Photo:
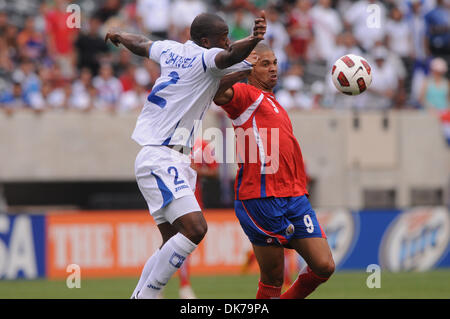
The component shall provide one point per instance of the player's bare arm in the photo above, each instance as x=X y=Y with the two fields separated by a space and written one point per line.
x=225 y=91
x=136 y=43
x=241 y=49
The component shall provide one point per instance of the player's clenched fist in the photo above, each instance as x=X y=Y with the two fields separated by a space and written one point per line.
x=260 y=26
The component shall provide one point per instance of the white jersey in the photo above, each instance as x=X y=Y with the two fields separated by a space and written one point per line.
x=181 y=95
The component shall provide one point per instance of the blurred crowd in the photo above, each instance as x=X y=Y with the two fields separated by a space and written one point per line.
x=44 y=64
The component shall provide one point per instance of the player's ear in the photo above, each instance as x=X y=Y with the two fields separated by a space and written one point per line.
x=253 y=58
x=205 y=42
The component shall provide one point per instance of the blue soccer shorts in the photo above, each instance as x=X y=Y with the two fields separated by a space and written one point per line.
x=276 y=220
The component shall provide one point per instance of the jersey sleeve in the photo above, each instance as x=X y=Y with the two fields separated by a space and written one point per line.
x=239 y=103
x=157 y=48
x=209 y=63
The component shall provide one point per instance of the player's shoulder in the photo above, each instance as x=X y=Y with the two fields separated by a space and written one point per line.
x=247 y=89
x=244 y=95
x=159 y=47
x=192 y=46
x=168 y=43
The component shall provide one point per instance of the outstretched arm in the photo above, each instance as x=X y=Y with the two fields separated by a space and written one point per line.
x=241 y=49
x=225 y=91
x=136 y=43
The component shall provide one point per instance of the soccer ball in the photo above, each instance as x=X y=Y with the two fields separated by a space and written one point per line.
x=351 y=74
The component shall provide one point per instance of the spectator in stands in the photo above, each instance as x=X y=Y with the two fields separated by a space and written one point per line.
x=60 y=98
x=154 y=17
x=80 y=86
x=183 y=12
x=31 y=44
x=6 y=64
x=91 y=47
x=123 y=62
x=108 y=86
x=28 y=78
x=380 y=93
x=46 y=74
x=277 y=37
x=94 y=101
x=61 y=38
x=109 y=9
x=367 y=26
x=416 y=23
x=291 y=95
x=134 y=99
x=81 y=99
x=318 y=95
x=435 y=93
x=397 y=65
x=295 y=68
x=11 y=100
x=43 y=99
x=345 y=44
x=69 y=99
x=10 y=35
x=399 y=37
x=3 y=23
x=234 y=5
x=438 y=29
x=300 y=30
x=326 y=25
x=399 y=41
x=40 y=23
x=56 y=76
x=130 y=16
x=127 y=78
x=239 y=27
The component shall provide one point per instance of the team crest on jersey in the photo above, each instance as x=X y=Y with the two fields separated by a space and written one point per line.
x=269 y=240
x=290 y=230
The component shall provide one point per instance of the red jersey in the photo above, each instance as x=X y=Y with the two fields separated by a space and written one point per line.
x=277 y=169
x=202 y=156
x=62 y=35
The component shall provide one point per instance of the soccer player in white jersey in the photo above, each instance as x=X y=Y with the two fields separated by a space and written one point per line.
x=190 y=76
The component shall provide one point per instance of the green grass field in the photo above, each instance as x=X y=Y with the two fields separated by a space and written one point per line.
x=433 y=284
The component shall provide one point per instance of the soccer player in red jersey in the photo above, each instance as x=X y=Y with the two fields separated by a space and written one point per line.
x=271 y=199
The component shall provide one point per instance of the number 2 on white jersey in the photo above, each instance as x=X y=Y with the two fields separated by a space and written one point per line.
x=153 y=98
x=176 y=181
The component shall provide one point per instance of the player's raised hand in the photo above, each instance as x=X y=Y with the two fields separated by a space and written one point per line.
x=260 y=26
x=113 y=36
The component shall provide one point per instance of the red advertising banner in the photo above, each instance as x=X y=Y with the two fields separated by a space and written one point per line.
x=112 y=243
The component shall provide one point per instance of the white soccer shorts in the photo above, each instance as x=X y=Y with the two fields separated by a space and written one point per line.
x=167 y=182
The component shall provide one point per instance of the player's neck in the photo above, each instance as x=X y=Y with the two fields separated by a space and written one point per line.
x=259 y=85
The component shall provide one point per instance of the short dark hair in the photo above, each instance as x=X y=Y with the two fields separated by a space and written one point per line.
x=262 y=47
x=205 y=25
